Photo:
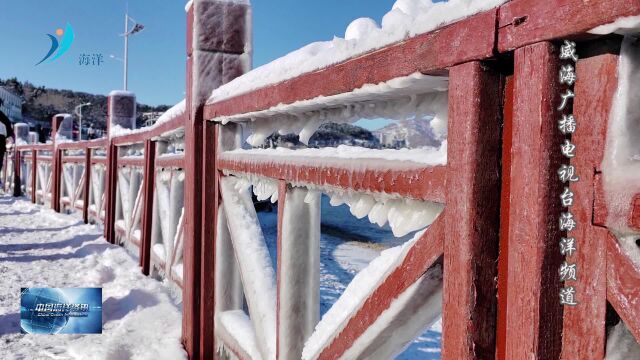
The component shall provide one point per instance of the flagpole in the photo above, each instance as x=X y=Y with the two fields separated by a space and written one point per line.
x=126 y=49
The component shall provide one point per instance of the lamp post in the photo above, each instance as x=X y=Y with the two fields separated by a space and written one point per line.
x=136 y=28
x=79 y=113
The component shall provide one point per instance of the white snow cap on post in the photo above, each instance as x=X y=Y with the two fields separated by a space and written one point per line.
x=122 y=111
x=22 y=133
x=65 y=129
x=33 y=137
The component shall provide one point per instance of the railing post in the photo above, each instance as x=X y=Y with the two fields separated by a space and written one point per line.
x=534 y=314
x=34 y=174
x=472 y=212
x=298 y=280
x=584 y=334
x=22 y=137
x=17 y=188
x=56 y=166
x=218 y=45
x=147 y=207
x=121 y=112
x=87 y=184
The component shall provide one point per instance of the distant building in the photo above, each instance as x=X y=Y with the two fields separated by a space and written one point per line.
x=12 y=105
x=149 y=118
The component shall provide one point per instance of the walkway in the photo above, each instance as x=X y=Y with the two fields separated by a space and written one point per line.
x=41 y=248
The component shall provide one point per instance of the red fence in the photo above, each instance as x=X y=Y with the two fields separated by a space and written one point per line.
x=494 y=247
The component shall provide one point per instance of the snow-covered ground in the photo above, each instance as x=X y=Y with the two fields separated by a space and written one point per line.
x=41 y=248
x=141 y=319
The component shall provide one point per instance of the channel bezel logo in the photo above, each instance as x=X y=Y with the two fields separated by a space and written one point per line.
x=59 y=47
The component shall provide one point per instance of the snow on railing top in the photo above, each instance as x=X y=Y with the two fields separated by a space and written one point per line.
x=176 y=111
x=623 y=26
x=407 y=18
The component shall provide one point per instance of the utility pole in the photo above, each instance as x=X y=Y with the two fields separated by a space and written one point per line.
x=136 y=28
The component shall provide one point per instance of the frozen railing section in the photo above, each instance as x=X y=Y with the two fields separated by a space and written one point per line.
x=148 y=200
x=404 y=188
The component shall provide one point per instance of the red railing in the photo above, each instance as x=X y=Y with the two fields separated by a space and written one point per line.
x=494 y=247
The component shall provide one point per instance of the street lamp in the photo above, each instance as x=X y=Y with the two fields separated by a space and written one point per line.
x=78 y=112
x=136 y=28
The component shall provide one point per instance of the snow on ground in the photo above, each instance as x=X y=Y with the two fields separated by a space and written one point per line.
x=41 y=248
x=347 y=246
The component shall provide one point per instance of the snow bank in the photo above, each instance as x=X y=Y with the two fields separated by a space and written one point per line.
x=621 y=162
x=623 y=26
x=407 y=18
x=362 y=285
x=252 y=254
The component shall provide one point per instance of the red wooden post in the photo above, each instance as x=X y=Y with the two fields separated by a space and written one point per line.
x=87 y=185
x=534 y=312
x=17 y=186
x=210 y=204
x=149 y=177
x=34 y=175
x=217 y=42
x=503 y=256
x=473 y=215
x=55 y=164
x=584 y=325
x=110 y=192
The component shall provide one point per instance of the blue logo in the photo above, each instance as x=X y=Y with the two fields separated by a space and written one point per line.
x=61 y=311
x=59 y=47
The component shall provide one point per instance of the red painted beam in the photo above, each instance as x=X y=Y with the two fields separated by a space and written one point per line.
x=131 y=162
x=210 y=206
x=423 y=254
x=534 y=317
x=423 y=183
x=147 y=205
x=505 y=201
x=584 y=325
x=34 y=176
x=473 y=222
x=170 y=161
x=73 y=159
x=524 y=22
x=426 y=53
x=623 y=285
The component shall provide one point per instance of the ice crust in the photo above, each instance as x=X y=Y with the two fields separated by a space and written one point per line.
x=407 y=18
x=624 y=26
x=417 y=96
x=354 y=295
x=621 y=162
x=258 y=275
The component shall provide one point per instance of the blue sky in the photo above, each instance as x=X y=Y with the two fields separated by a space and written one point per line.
x=157 y=55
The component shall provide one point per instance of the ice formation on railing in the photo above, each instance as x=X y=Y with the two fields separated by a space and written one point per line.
x=407 y=18
x=258 y=275
x=403 y=215
x=344 y=155
x=621 y=163
x=362 y=285
x=624 y=26
x=417 y=97
x=234 y=328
